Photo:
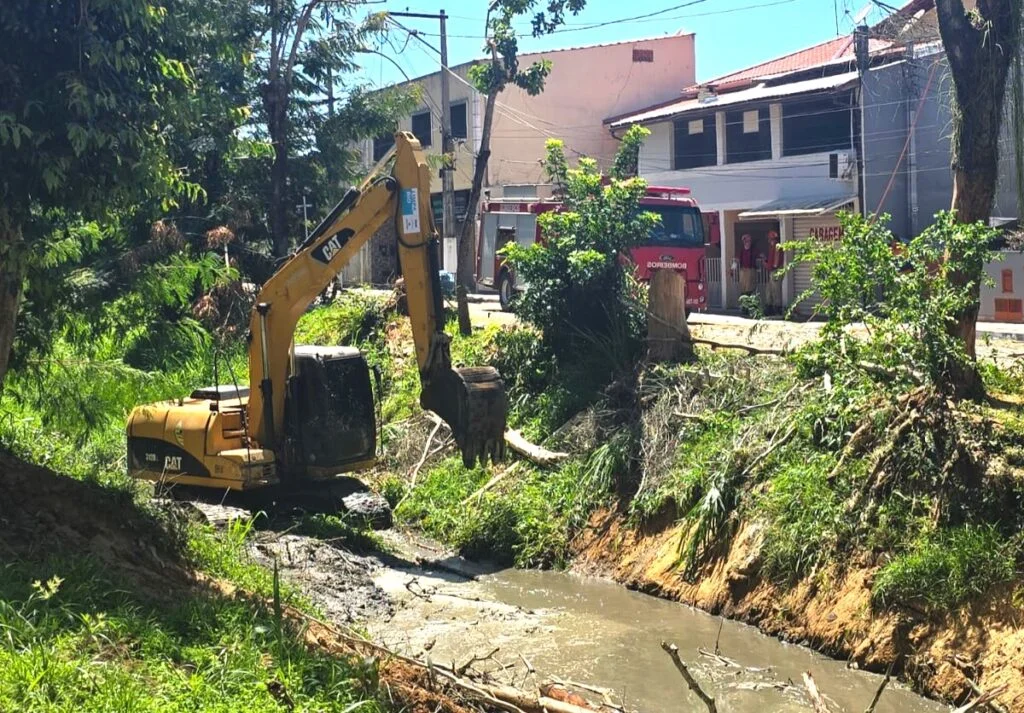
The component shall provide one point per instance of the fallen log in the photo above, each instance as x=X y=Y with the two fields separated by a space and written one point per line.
x=535 y=454
x=532 y=703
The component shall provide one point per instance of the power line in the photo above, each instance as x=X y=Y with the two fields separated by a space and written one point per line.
x=640 y=20
x=635 y=18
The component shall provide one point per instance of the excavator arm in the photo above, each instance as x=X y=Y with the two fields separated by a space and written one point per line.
x=471 y=400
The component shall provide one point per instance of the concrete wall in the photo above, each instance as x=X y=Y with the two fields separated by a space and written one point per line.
x=586 y=85
x=743 y=186
x=430 y=88
x=885 y=117
x=924 y=180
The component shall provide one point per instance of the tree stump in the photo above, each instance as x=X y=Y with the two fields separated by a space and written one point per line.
x=668 y=336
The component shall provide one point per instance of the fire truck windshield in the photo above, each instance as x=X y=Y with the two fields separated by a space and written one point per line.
x=680 y=226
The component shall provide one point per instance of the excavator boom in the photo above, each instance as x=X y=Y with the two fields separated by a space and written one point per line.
x=471 y=401
x=308 y=412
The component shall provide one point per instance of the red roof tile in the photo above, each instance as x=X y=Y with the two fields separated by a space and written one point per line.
x=841 y=48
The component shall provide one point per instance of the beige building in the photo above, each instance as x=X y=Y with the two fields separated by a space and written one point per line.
x=586 y=85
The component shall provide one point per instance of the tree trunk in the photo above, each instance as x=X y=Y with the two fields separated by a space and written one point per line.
x=979 y=55
x=668 y=334
x=12 y=274
x=275 y=100
x=466 y=270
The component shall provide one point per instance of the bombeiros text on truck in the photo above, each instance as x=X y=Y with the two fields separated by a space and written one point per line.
x=678 y=243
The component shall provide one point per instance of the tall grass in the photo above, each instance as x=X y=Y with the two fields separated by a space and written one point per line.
x=946 y=567
x=75 y=639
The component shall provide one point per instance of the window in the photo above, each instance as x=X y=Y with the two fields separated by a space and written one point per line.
x=816 y=125
x=1007 y=281
x=680 y=226
x=643 y=55
x=748 y=135
x=461 y=208
x=695 y=142
x=421 y=128
x=457 y=121
x=381 y=145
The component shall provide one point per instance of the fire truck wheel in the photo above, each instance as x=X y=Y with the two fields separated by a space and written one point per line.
x=506 y=291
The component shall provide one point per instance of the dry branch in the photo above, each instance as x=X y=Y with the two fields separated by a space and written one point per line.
x=812 y=690
x=673 y=651
x=535 y=454
x=426 y=451
x=881 y=687
x=964 y=667
x=495 y=479
x=742 y=347
x=985 y=697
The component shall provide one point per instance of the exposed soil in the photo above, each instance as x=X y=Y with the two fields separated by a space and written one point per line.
x=43 y=515
x=830 y=611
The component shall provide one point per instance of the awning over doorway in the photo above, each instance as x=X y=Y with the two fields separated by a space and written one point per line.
x=797 y=206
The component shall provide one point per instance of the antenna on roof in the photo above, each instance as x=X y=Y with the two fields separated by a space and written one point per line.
x=859 y=18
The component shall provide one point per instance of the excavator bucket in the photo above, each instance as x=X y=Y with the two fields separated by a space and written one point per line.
x=472 y=401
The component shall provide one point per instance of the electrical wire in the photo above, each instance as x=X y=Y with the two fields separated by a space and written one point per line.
x=571 y=27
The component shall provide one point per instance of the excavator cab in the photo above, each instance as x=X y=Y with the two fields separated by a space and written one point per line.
x=330 y=415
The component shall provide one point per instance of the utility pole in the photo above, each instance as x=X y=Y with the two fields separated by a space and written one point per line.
x=448 y=242
x=448 y=148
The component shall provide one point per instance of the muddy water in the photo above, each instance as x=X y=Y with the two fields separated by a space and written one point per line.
x=594 y=631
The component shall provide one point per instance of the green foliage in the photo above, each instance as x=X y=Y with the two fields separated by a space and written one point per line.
x=528 y=522
x=579 y=292
x=627 y=158
x=86 y=96
x=350 y=320
x=494 y=76
x=946 y=568
x=76 y=638
x=901 y=293
x=805 y=517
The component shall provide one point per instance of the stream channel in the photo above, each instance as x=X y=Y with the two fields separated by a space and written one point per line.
x=421 y=601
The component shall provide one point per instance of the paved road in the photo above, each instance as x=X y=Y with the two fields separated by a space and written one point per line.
x=1000 y=341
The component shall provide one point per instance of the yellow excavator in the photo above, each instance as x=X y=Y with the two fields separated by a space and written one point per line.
x=310 y=412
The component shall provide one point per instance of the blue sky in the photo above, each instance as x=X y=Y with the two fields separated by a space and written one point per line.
x=731 y=34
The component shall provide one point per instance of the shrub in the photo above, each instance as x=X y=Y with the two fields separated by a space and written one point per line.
x=948 y=567
x=900 y=292
x=578 y=285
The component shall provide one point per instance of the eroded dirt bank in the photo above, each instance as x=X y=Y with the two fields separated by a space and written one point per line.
x=830 y=611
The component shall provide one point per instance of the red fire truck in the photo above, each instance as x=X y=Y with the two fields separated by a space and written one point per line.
x=677 y=243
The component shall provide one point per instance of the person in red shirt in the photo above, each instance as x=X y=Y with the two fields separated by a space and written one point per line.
x=747 y=264
x=776 y=263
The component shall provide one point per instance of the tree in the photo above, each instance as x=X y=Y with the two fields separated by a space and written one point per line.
x=87 y=97
x=579 y=286
x=312 y=42
x=980 y=45
x=491 y=79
